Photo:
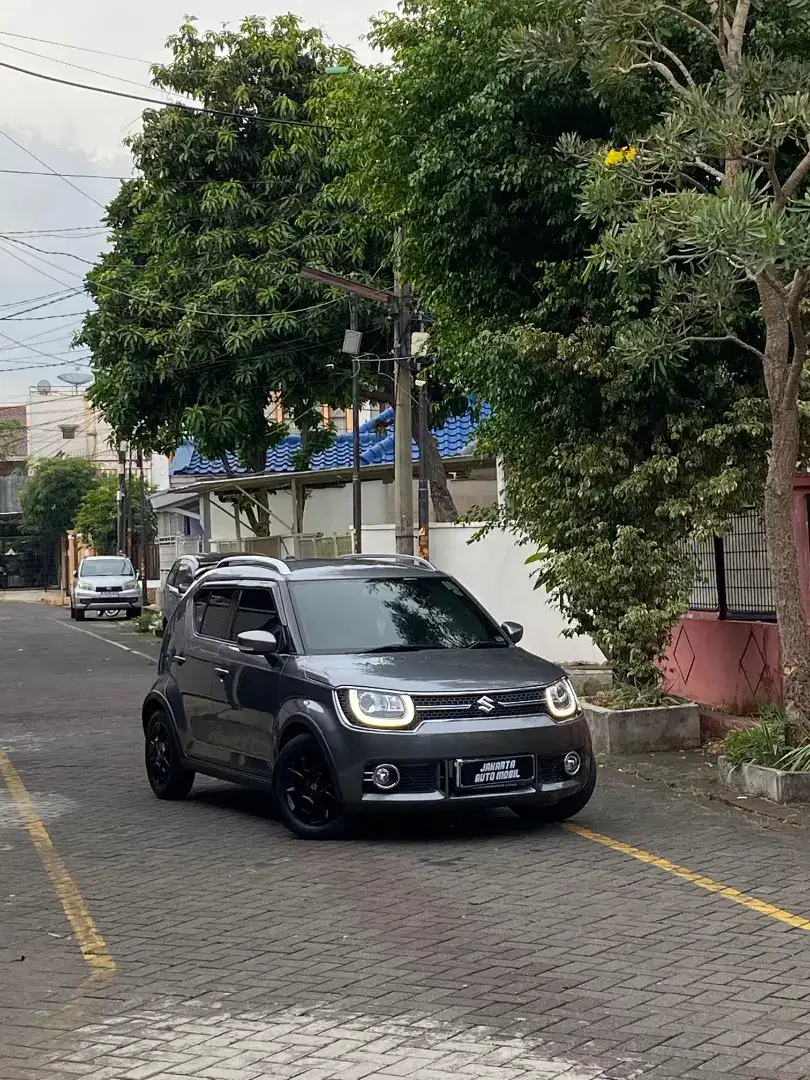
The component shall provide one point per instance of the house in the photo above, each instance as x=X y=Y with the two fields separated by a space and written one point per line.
x=194 y=510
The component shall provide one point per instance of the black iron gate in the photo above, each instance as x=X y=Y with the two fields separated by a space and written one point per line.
x=28 y=562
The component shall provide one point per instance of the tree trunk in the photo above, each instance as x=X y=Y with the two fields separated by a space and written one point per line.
x=443 y=505
x=778 y=505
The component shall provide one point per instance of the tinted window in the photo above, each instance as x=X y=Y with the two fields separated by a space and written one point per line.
x=256 y=611
x=217 y=613
x=172 y=578
x=106 y=567
x=382 y=614
x=200 y=601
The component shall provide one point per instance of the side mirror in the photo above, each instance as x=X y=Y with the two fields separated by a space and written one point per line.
x=183 y=588
x=513 y=630
x=75 y=575
x=257 y=643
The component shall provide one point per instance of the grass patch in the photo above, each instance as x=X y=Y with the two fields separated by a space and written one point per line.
x=622 y=696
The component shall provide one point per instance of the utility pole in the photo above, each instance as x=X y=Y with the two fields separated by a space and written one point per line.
x=121 y=494
x=357 y=479
x=142 y=543
x=403 y=410
x=403 y=418
x=419 y=342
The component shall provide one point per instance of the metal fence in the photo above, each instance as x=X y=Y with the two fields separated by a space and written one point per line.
x=733 y=574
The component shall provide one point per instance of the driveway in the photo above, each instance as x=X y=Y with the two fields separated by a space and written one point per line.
x=661 y=937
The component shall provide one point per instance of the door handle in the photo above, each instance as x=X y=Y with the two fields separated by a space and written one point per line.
x=222 y=672
x=178 y=659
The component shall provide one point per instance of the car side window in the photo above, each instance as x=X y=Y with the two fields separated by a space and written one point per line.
x=184 y=576
x=172 y=578
x=257 y=610
x=217 y=615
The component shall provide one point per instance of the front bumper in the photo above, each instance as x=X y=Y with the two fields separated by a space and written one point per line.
x=426 y=761
x=96 y=602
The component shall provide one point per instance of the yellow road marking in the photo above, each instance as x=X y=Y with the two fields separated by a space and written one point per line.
x=89 y=939
x=753 y=903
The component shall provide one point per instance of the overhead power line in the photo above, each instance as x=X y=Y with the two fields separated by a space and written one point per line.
x=78 y=48
x=33 y=266
x=45 y=165
x=203 y=109
x=81 y=67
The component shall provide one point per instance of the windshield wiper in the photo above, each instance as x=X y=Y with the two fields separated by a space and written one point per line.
x=488 y=645
x=398 y=648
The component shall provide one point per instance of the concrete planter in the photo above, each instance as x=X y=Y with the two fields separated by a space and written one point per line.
x=766 y=783
x=643 y=731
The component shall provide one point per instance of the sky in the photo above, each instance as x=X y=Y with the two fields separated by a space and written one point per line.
x=50 y=231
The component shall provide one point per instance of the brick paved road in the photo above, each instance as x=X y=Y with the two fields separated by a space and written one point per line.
x=421 y=950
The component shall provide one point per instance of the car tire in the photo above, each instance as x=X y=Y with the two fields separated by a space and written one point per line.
x=167 y=777
x=72 y=612
x=79 y=615
x=565 y=808
x=304 y=791
x=133 y=613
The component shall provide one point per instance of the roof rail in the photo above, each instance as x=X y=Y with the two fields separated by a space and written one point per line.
x=255 y=560
x=407 y=560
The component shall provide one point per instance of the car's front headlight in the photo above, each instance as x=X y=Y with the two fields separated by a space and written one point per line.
x=131 y=583
x=379 y=709
x=561 y=700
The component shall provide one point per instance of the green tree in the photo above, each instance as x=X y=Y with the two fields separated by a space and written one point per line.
x=11 y=438
x=54 y=493
x=714 y=201
x=97 y=516
x=611 y=462
x=203 y=318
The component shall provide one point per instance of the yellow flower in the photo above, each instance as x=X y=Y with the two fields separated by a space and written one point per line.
x=619 y=157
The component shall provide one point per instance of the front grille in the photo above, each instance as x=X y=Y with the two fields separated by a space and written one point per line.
x=481 y=705
x=416 y=778
x=109 y=588
x=551 y=771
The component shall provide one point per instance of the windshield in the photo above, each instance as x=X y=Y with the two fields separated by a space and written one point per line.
x=363 y=615
x=113 y=567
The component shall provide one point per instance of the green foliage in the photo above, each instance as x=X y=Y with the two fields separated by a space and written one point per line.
x=202 y=314
x=762 y=745
x=625 y=696
x=97 y=516
x=11 y=435
x=613 y=456
x=54 y=493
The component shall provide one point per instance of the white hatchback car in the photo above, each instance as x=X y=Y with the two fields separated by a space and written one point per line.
x=105 y=583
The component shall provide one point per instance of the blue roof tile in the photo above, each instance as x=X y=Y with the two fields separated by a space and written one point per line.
x=376 y=448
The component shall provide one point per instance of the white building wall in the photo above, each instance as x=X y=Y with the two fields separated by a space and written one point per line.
x=494 y=570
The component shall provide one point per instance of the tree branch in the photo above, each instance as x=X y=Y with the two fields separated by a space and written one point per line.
x=737 y=35
x=653 y=44
x=795 y=178
x=662 y=69
x=773 y=175
x=693 y=21
x=727 y=337
x=799 y=341
x=710 y=169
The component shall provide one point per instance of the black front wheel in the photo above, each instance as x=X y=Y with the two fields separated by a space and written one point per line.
x=306 y=796
x=167 y=777
x=565 y=808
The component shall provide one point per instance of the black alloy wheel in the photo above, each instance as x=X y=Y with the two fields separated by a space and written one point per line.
x=306 y=796
x=167 y=777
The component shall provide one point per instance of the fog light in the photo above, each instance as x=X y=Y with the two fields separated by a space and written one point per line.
x=572 y=763
x=385 y=777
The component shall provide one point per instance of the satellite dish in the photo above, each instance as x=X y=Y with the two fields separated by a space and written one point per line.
x=76 y=379
x=43 y=387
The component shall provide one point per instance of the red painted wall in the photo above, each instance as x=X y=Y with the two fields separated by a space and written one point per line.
x=726 y=663
x=733 y=663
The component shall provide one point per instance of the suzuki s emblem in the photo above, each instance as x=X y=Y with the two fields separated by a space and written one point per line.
x=485 y=704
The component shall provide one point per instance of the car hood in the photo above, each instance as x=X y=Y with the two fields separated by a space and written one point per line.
x=106 y=582
x=435 y=671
